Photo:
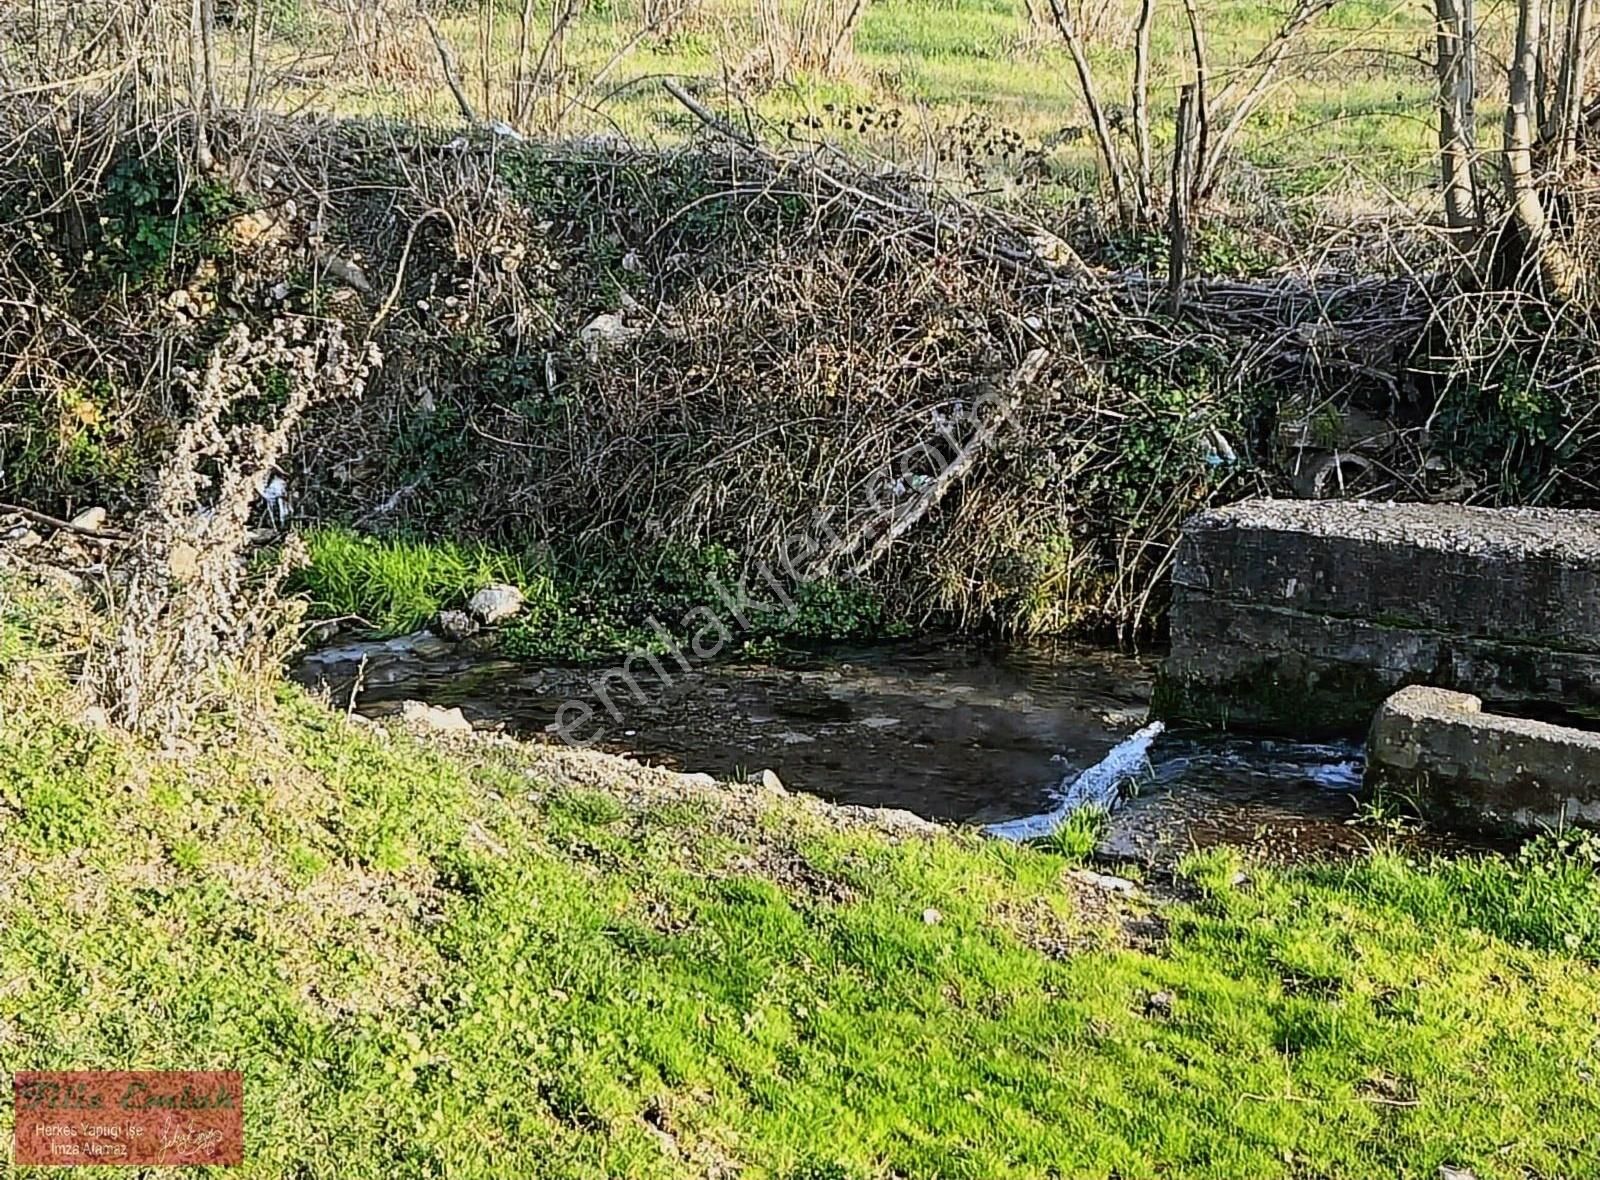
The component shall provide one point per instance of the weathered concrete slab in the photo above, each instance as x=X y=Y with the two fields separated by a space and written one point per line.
x=1302 y=616
x=1482 y=769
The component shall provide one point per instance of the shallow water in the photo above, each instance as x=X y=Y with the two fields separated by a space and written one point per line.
x=951 y=731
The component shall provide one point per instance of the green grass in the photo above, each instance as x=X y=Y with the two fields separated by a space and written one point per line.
x=1354 y=110
x=576 y=610
x=491 y=960
x=397 y=584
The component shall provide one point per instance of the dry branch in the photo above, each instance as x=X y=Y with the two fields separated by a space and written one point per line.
x=1262 y=71
x=447 y=63
x=1141 y=107
x=1091 y=99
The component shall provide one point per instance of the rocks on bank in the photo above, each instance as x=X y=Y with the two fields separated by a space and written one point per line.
x=489 y=607
x=452 y=633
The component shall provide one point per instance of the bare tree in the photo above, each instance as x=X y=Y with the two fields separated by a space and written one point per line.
x=1550 y=259
x=254 y=67
x=1251 y=85
x=1181 y=192
x=1521 y=118
x=1456 y=68
x=1097 y=116
x=447 y=63
x=521 y=79
x=1202 y=72
x=1133 y=187
x=202 y=78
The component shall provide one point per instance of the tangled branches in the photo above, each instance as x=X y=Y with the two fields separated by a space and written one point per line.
x=615 y=354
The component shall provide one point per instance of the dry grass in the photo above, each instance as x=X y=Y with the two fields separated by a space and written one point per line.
x=187 y=609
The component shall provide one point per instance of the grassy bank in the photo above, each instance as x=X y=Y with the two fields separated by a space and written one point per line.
x=582 y=610
x=486 y=959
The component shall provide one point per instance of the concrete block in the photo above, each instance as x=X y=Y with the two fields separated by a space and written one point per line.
x=1483 y=769
x=1523 y=574
x=1302 y=616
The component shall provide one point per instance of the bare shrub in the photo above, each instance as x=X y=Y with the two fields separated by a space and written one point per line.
x=188 y=608
x=806 y=35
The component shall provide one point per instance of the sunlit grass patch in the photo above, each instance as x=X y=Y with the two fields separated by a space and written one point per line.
x=397 y=584
x=493 y=960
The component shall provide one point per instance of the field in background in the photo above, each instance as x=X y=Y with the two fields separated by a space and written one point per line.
x=978 y=91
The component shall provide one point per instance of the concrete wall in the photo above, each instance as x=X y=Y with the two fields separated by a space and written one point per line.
x=1302 y=616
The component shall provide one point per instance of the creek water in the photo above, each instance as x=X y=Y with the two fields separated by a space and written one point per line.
x=949 y=730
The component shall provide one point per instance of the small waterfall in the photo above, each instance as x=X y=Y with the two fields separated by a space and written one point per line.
x=1095 y=787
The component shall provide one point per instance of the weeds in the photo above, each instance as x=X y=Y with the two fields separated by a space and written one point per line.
x=150 y=225
x=1076 y=839
x=184 y=606
x=1388 y=811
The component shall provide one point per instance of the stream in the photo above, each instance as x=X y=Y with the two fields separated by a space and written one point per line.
x=950 y=730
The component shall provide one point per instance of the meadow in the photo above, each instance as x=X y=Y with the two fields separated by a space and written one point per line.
x=959 y=89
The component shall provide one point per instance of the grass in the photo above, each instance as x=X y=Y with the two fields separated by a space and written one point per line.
x=576 y=610
x=1354 y=110
x=397 y=584
x=486 y=959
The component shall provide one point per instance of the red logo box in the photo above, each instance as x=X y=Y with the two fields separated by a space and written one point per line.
x=127 y=1118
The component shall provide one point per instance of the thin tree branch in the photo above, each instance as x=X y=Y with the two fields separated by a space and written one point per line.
x=1091 y=98
x=1141 y=106
x=1202 y=72
x=447 y=62
x=1267 y=61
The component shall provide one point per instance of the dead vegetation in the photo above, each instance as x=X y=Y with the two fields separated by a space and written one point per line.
x=598 y=351
x=188 y=608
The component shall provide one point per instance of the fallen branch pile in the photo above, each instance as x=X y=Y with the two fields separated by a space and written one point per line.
x=614 y=353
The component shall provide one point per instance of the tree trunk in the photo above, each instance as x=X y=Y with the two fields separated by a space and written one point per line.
x=1570 y=83
x=199 y=92
x=1544 y=120
x=1202 y=71
x=1182 y=189
x=253 y=79
x=1141 y=107
x=1458 y=118
x=1556 y=271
